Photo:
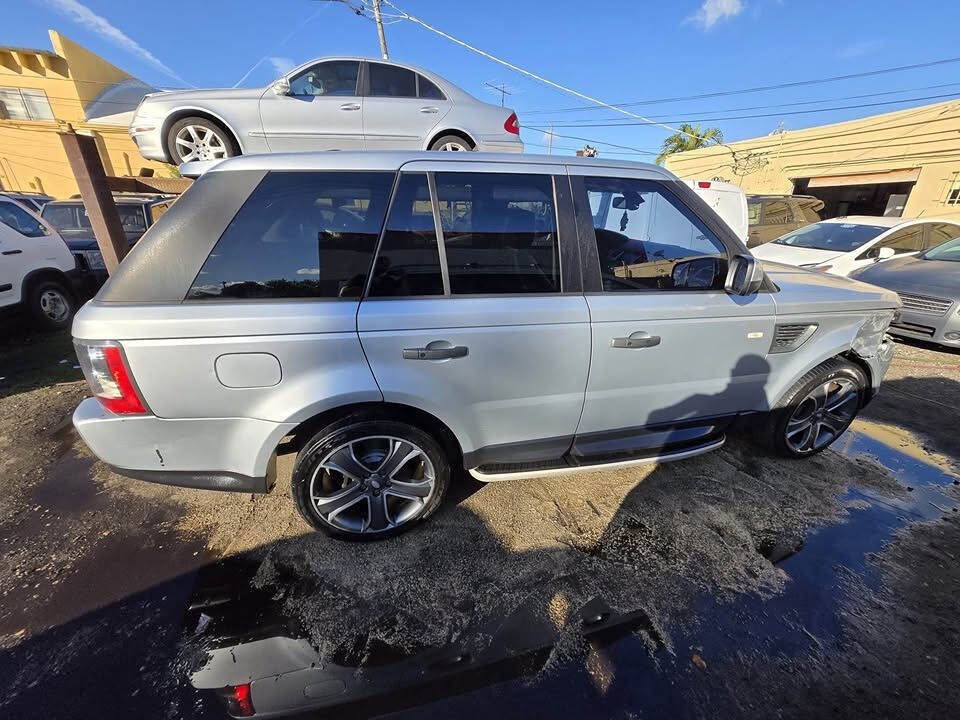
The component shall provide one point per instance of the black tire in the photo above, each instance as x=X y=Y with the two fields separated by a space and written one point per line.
x=791 y=406
x=354 y=428
x=50 y=304
x=451 y=140
x=225 y=138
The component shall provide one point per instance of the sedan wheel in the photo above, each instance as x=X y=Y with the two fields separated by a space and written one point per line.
x=196 y=142
x=54 y=305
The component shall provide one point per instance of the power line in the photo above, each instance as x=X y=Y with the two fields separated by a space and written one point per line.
x=780 y=105
x=764 y=88
x=576 y=124
x=591 y=140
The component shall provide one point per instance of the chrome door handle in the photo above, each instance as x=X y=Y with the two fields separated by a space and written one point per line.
x=429 y=109
x=350 y=106
x=638 y=339
x=458 y=351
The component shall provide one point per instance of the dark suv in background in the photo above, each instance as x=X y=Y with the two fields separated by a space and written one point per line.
x=69 y=217
x=770 y=216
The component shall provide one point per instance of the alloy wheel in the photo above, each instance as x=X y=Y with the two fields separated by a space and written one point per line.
x=196 y=142
x=822 y=415
x=372 y=484
x=453 y=147
x=54 y=305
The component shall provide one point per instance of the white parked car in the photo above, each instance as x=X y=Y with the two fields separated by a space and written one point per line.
x=333 y=103
x=841 y=245
x=37 y=270
x=726 y=200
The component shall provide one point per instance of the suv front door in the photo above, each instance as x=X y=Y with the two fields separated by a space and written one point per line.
x=674 y=356
x=322 y=111
x=474 y=312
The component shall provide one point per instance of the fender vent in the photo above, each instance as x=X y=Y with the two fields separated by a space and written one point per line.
x=787 y=338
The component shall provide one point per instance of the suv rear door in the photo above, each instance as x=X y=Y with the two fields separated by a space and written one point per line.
x=674 y=356
x=474 y=311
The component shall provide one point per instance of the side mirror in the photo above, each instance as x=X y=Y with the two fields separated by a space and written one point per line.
x=281 y=87
x=885 y=253
x=745 y=275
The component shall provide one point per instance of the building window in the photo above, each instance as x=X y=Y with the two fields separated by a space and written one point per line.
x=24 y=104
x=953 y=194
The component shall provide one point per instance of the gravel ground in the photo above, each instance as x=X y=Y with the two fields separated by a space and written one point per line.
x=95 y=569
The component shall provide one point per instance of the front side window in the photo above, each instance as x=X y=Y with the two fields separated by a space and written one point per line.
x=337 y=78
x=21 y=221
x=408 y=262
x=392 y=81
x=949 y=251
x=62 y=217
x=500 y=232
x=647 y=240
x=299 y=234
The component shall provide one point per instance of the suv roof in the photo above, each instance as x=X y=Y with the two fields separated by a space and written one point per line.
x=119 y=199
x=394 y=160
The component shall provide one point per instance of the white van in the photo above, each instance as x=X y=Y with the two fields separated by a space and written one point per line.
x=726 y=200
x=37 y=270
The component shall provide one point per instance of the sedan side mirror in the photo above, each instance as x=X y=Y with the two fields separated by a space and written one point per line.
x=281 y=87
x=885 y=253
x=745 y=276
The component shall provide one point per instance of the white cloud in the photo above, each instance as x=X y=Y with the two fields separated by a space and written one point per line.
x=282 y=65
x=713 y=11
x=859 y=49
x=83 y=15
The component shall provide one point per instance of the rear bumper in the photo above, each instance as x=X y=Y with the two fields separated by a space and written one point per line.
x=212 y=453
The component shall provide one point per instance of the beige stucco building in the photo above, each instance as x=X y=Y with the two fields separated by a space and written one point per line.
x=40 y=92
x=900 y=163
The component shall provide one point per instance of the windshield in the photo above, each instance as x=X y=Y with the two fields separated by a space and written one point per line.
x=74 y=217
x=841 y=237
x=949 y=251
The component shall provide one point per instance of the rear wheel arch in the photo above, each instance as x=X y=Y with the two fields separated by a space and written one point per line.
x=457 y=133
x=43 y=274
x=384 y=411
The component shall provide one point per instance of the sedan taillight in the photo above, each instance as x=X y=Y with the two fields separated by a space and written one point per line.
x=512 y=125
x=109 y=378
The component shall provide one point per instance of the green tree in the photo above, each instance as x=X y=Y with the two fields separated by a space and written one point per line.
x=690 y=137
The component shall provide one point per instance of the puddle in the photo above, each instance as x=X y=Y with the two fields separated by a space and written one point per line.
x=627 y=666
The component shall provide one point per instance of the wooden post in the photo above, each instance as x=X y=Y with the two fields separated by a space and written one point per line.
x=88 y=171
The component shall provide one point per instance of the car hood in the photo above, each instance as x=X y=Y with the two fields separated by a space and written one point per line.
x=912 y=274
x=793 y=255
x=187 y=97
x=806 y=292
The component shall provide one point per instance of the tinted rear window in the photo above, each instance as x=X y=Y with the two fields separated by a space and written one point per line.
x=500 y=232
x=299 y=234
x=390 y=81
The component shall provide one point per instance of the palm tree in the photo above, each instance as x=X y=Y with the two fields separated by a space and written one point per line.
x=690 y=137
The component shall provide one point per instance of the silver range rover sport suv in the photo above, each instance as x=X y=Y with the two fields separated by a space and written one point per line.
x=399 y=316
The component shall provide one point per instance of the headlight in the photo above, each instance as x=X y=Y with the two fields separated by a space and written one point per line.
x=94 y=259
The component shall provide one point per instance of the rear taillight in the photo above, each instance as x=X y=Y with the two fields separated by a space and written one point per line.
x=237 y=699
x=108 y=375
x=703 y=184
x=512 y=125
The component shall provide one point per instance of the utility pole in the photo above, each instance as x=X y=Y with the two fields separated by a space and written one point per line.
x=550 y=141
x=502 y=89
x=88 y=171
x=379 y=21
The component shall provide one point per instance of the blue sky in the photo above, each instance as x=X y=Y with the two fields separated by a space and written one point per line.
x=618 y=50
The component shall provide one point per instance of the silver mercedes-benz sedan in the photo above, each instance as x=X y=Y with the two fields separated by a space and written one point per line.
x=332 y=103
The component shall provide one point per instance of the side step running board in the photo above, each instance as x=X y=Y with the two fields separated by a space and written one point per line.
x=551 y=472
